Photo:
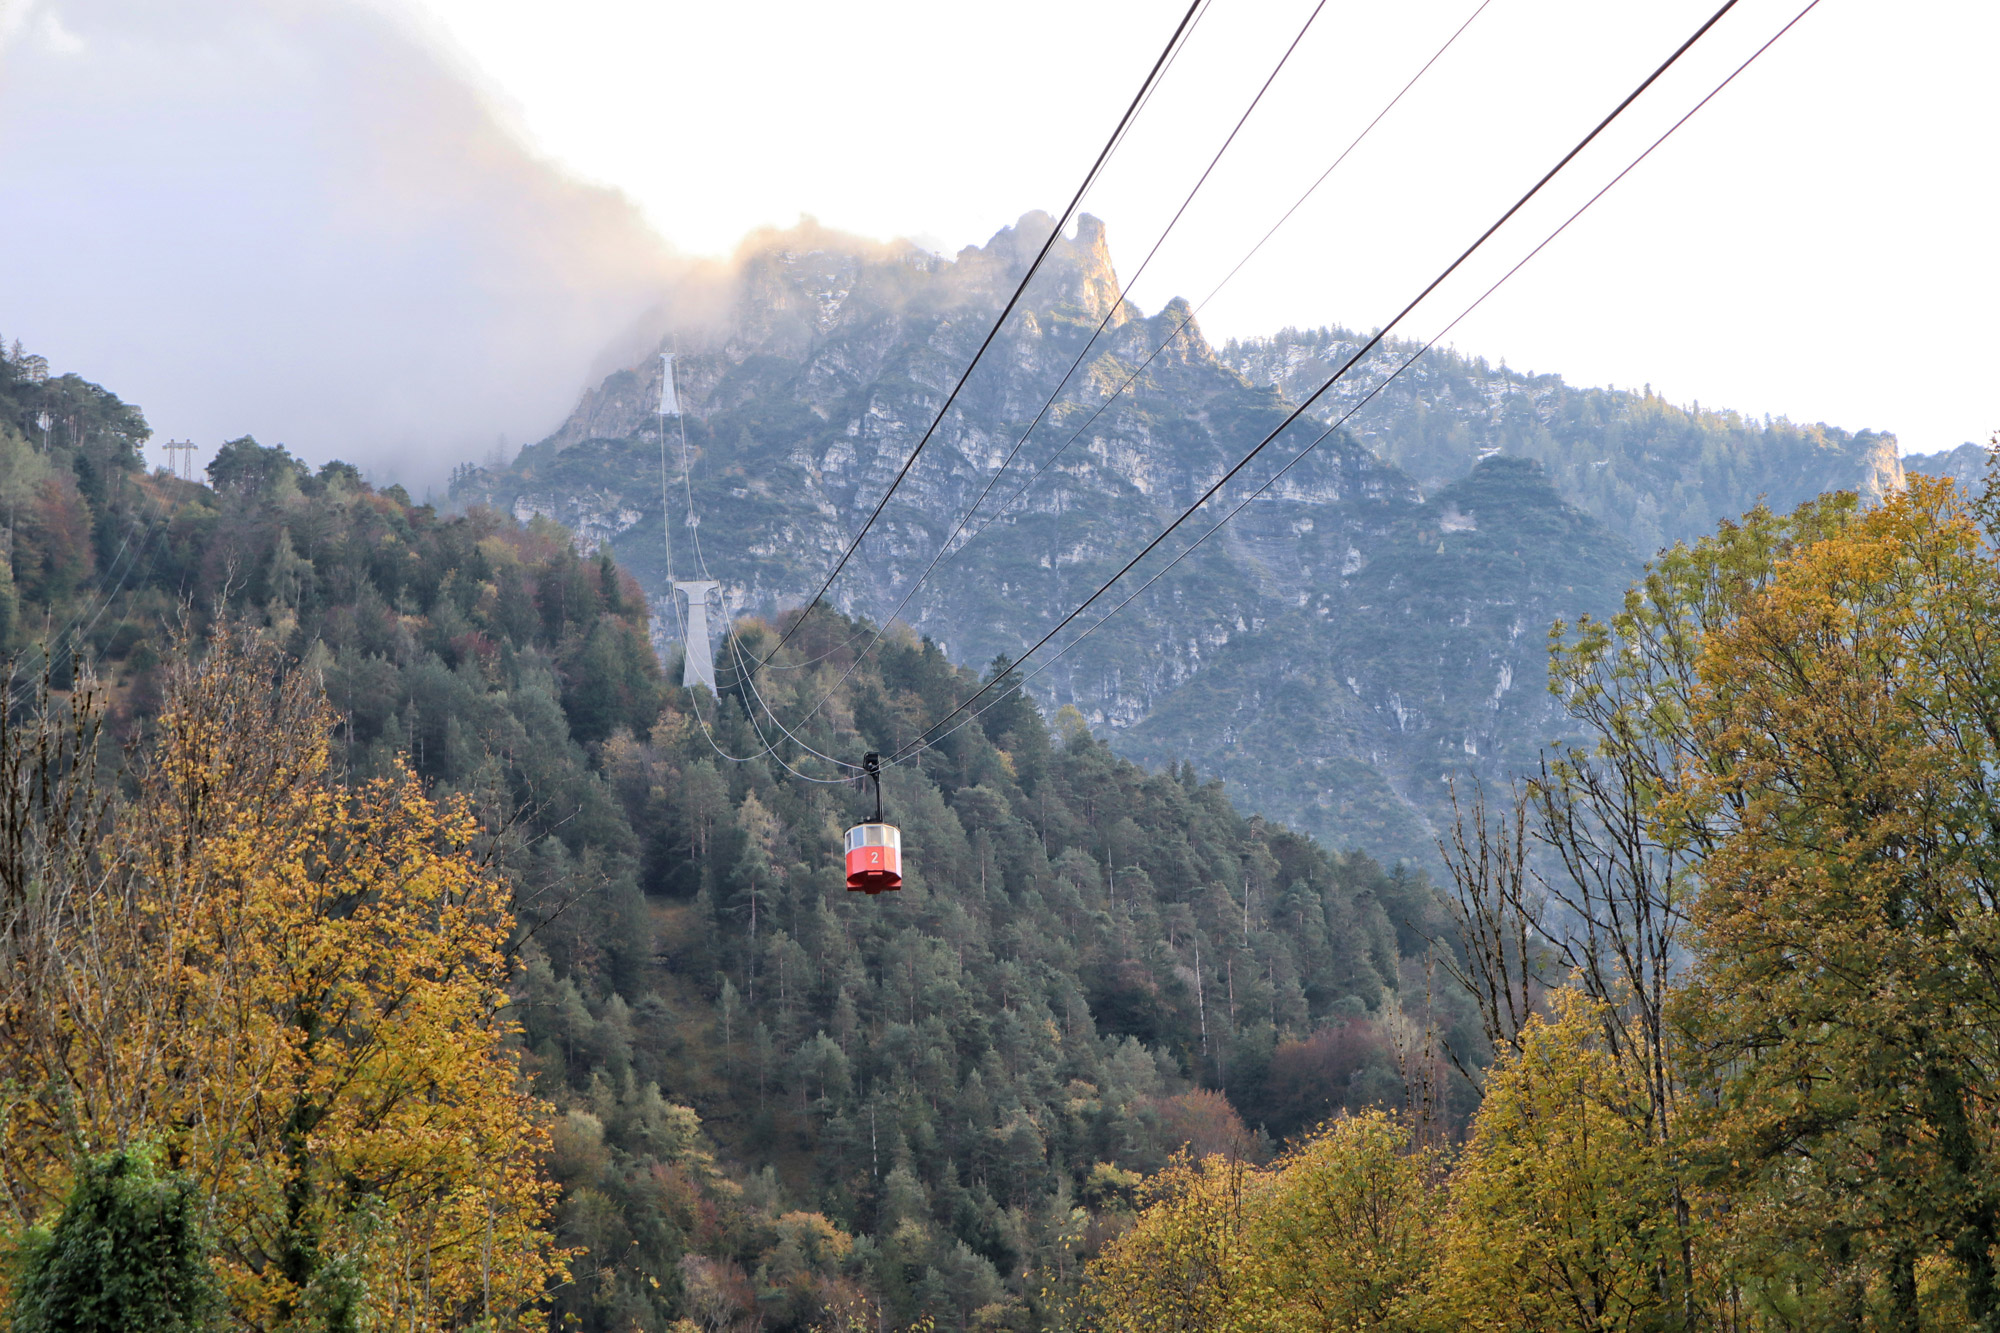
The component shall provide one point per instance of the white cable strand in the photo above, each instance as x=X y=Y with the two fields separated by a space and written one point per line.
x=923 y=745
x=1203 y=304
x=946 y=550
x=673 y=599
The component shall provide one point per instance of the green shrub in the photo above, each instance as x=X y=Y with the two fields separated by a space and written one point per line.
x=129 y=1253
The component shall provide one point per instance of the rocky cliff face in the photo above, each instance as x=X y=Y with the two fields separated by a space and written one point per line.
x=1372 y=627
x=1966 y=465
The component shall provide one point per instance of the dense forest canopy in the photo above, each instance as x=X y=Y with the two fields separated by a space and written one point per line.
x=770 y=1094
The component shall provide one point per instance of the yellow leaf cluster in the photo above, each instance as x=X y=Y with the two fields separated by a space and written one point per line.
x=1847 y=997
x=1187 y=1264
x=295 y=988
x=1342 y=1234
x=1561 y=1213
x=1565 y=1212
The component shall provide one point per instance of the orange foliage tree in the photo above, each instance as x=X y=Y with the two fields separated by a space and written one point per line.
x=294 y=987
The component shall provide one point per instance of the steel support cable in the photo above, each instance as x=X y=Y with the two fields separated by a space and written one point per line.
x=76 y=629
x=745 y=681
x=667 y=538
x=673 y=600
x=1344 y=417
x=1116 y=302
x=667 y=533
x=1055 y=234
x=162 y=521
x=755 y=699
x=1117 y=141
x=770 y=747
x=1348 y=365
x=1216 y=290
x=98 y=597
x=1119 y=136
x=1206 y=5
x=746 y=678
x=76 y=620
x=748 y=683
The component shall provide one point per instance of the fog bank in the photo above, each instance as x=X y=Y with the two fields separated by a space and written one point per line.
x=295 y=219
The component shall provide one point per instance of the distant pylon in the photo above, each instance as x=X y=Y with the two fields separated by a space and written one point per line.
x=180 y=446
x=669 y=404
x=698 y=662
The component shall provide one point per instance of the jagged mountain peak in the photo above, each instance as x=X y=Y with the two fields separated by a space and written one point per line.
x=1078 y=271
x=839 y=304
x=819 y=270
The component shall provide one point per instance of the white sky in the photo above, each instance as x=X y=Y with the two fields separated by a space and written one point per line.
x=1817 y=243
x=399 y=231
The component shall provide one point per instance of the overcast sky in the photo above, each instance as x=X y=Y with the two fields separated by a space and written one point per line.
x=402 y=227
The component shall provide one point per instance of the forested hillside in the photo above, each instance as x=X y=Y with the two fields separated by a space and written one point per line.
x=774 y=1098
x=1118 y=1056
x=1083 y=954
x=78 y=509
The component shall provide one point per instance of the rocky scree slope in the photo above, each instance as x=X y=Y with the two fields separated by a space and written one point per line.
x=1357 y=637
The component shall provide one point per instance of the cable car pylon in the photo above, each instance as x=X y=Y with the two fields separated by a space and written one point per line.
x=698 y=659
x=875 y=847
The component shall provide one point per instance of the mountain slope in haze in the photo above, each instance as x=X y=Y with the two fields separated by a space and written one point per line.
x=1965 y=465
x=1356 y=638
x=1352 y=723
x=1646 y=468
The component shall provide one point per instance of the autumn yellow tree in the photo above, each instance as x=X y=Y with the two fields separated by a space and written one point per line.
x=1801 y=712
x=1587 y=876
x=1341 y=1235
x=1562 y=1213
x=1187 y=1265
x=1847 y=998
x=1345 y=1232
x=295 y=988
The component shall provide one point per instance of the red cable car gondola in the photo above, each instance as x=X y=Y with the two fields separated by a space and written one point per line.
x=874 y=849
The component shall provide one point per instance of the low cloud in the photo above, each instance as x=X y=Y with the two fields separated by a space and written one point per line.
x=296 y=219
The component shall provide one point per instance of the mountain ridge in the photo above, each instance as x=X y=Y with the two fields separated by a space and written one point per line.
x=766 y=1098
x=804 y=398
x=1448 y=410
